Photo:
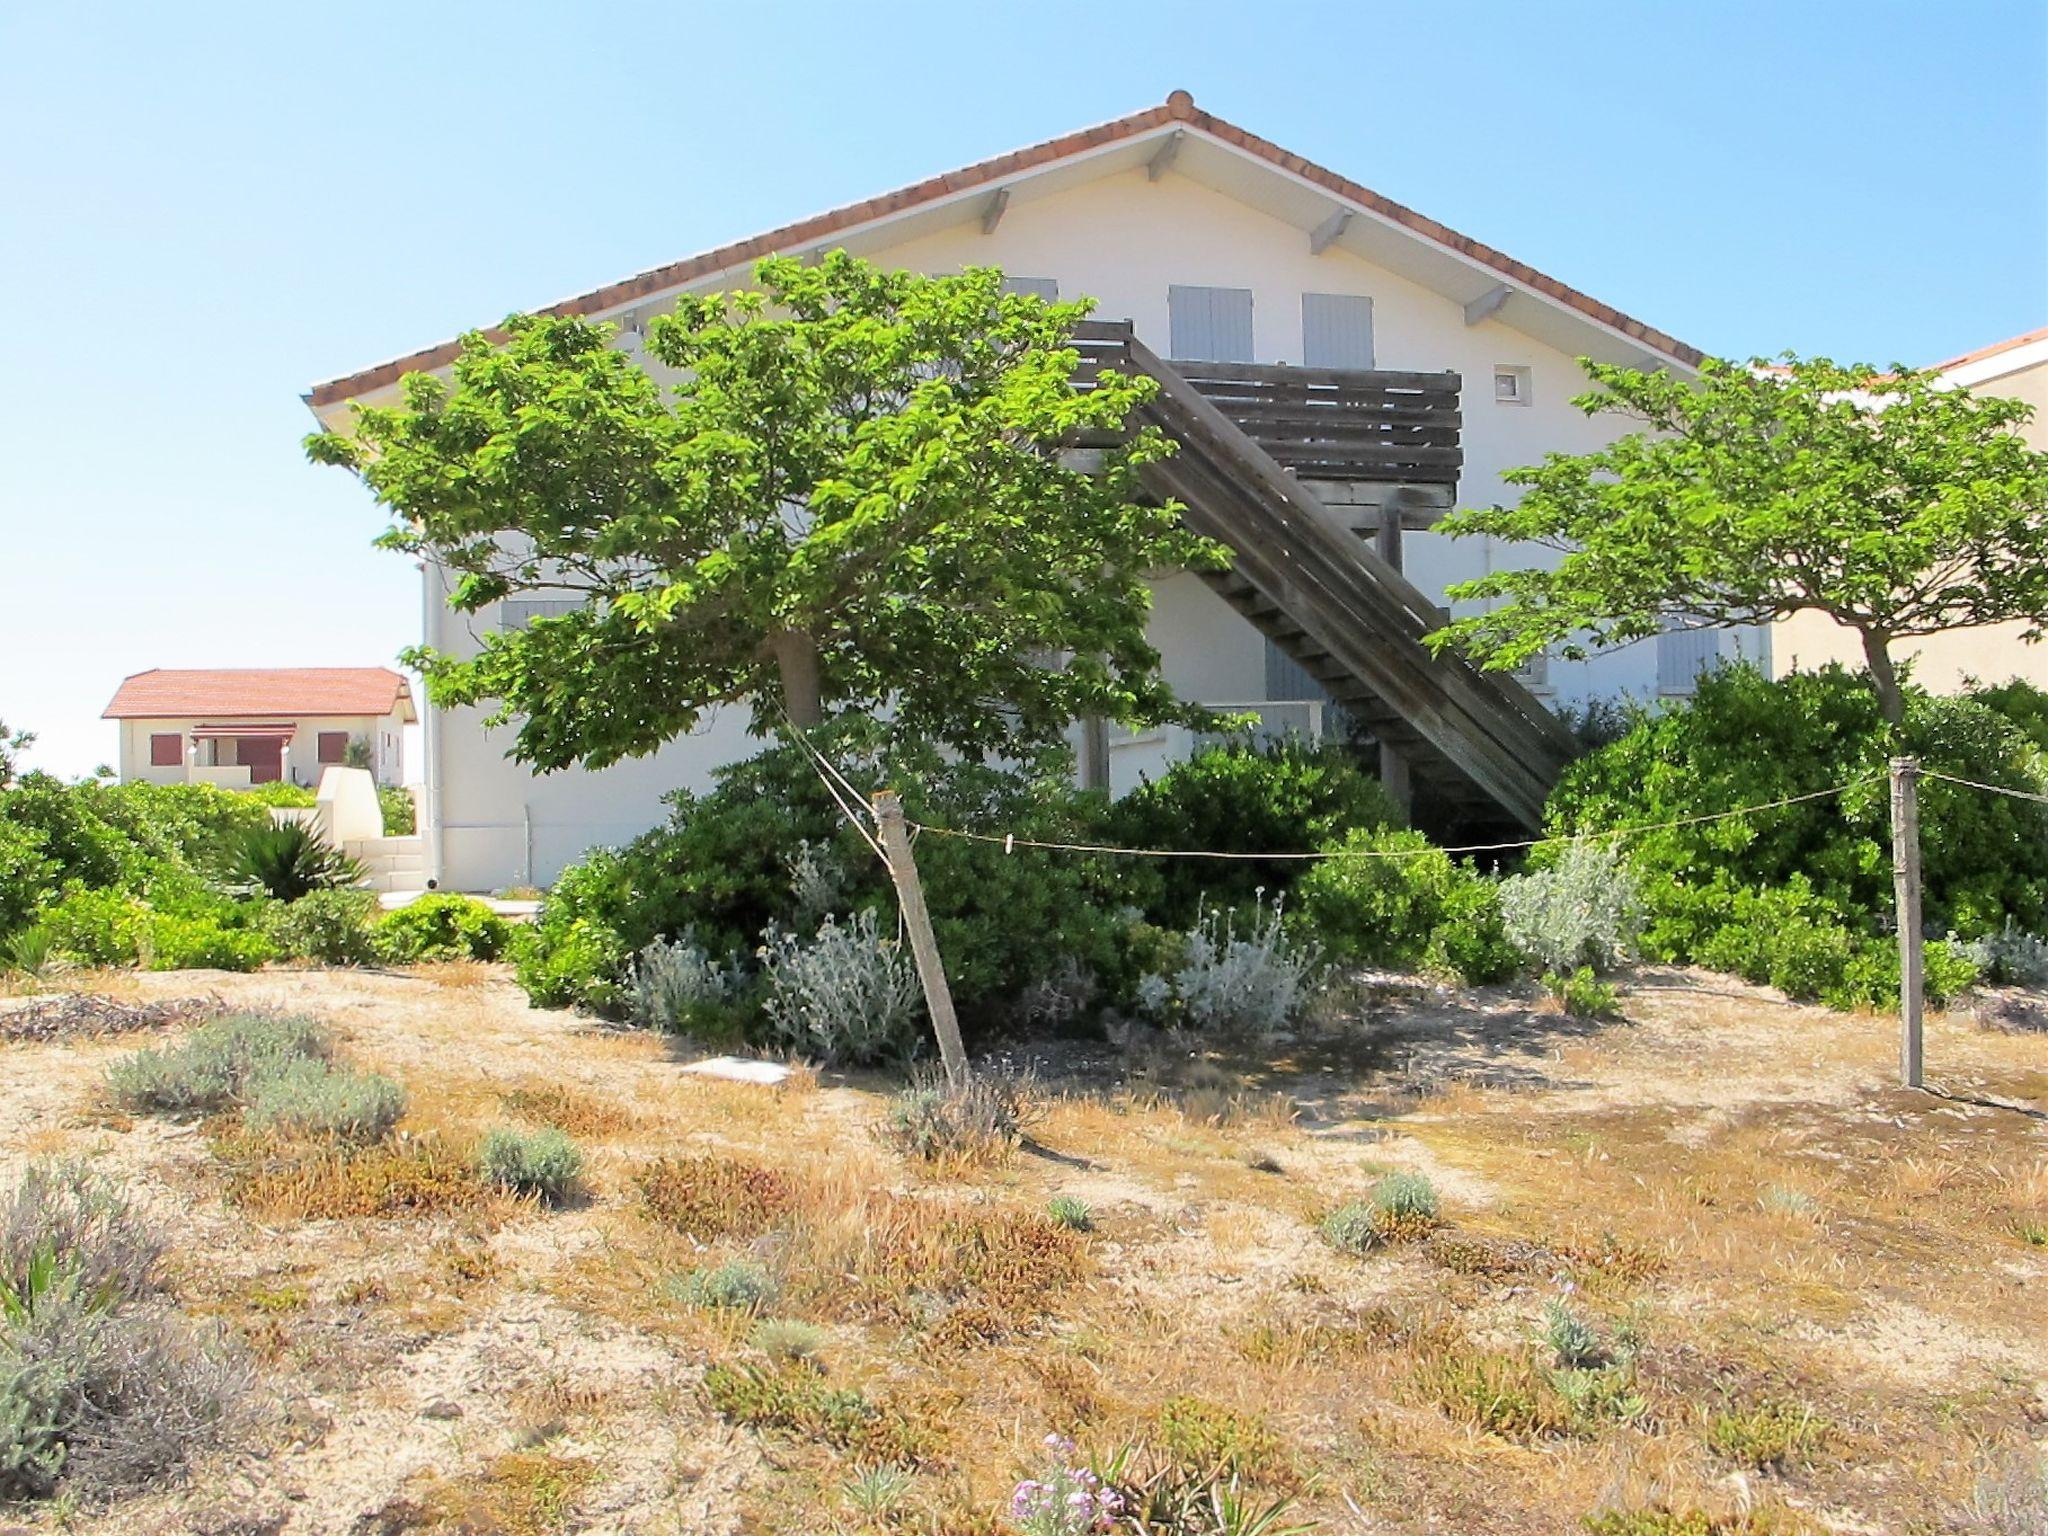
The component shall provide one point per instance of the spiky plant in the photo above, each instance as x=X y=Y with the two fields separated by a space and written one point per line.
x=291 y=859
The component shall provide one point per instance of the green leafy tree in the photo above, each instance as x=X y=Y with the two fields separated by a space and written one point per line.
x=1895 y=505
x=12 y=744
x=839 y=491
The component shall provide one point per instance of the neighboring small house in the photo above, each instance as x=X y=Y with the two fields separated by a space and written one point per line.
x=1267 y=295
x=2015 y=369
x=238 y=726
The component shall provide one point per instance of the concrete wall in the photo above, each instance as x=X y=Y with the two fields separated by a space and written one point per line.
x=1943 y=663
x=1122 y=240
x=386 y=735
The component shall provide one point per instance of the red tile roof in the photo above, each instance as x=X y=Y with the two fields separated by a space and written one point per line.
x=1179 y=107
x=267 y=693
x=1993 y=350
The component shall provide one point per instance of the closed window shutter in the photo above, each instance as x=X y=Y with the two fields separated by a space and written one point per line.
x=1210 y=325
x=1336 y=330
x=166 y=750
x=1682 y=654
x=518 y=612
x=1047 y=288
x=333 y=747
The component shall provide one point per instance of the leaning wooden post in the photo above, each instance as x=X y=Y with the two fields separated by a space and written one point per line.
x=1906 y=891
x=931 y=970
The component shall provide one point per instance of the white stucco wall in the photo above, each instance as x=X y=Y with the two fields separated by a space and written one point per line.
x=301 y=764
x=1122 y=240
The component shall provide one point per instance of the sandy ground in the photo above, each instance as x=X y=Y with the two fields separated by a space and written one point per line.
x=406 y=1356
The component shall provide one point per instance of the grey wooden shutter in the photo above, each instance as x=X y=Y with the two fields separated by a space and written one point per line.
x=1336 y=330
x=1682 y=654
x=1047 y=288
x=1210 y=325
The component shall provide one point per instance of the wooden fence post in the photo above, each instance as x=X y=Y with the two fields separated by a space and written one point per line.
x=924 y=947
x=1906 y=904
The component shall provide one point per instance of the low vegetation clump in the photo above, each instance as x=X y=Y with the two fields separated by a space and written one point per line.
x=1401 y=1208
x=217 y=1064
x=1071 y=1212
x=1240 y=974
x=545 y=1163
x=570 y=1110
x=1580 y=912
x=316 y=1098
x=1581 y=994
x=1770 y=1435
x=798 y=1400
x=1211 y=1441
x=330 y=927
x=104 y=1387
x=290 y=859
x=736 y=1285
x=1510 y=1394
x=709 y=1197
x=976 y=1119
x=521 y=1493
x=680 y=988
x=400 y=1176
x=786 y=1340
x=440 y=926
x=844 y=997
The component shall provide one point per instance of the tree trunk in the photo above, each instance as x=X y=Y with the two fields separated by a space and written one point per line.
x=796 y=659
x=1884 y=677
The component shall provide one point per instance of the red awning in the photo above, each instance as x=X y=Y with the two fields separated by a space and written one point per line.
x=229 y=732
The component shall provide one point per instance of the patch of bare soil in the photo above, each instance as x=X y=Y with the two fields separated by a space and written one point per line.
x=1725 y=1188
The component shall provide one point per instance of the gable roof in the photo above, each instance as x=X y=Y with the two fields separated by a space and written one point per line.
x=1475 y=269
x=260 y=693
x=1998 y=359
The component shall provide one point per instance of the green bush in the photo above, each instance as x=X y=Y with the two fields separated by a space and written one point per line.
x=1744 y=740
x=1287 y=798
x=215 y=1064
x=331 y=927
x=1581 y=994
x=312 y=1097
x=1416 y=909
x=738 y=1285
x=97 y=927
x=544 y=1163
x=401 y=814
x=204 y=944
x=440 y=926
x=290 y=859
x=28 y=877
x=281 y=796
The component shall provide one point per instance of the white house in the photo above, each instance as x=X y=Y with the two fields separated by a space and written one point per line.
x=1223 y=250
x=240 y=726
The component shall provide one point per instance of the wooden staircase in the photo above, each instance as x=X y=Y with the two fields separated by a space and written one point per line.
x=1479 y=749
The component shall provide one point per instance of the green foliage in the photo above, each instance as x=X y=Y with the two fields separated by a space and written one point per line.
x=97 y=927
x=1572 y=1340
x=331 y=927
x=939 y=556
x=1391 y=898
x=679 y=988
x=12 y=745
x=1405 y=1197
x=1284 y=798
x=281 y=796
x=28 y=951
x=440 y=926
x=1888 y=501
x=27 y=876
x=787 y=1339
x=1580 y=911
x=544 y=1163
x=847 y=996
x=1071 y=1212
x=1241 y=972
x=289 y=859
x=1800 y=895
x=216 y=1063
x=797 y=1399
x=1217 y=1442
x=1581 y=994
x=401 y=814
x=737 y=1284
x=205 y=944
x=313 y=1097
x=1770 y=1435
x=1351 y=1228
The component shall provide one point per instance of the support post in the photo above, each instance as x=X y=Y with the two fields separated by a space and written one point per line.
x=1094 y=752
x=1394 y=779
x=924 y=947
x=1906 y=892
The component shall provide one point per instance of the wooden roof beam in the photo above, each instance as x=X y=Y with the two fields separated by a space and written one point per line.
x=1162 y=157
x=1488 y=303
x=1325 y=234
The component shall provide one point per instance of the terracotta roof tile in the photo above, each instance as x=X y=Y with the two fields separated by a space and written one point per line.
x=1993 y=350
x=1179 y=107
x=259 y=692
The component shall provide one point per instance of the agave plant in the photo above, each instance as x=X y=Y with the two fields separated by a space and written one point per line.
x=290 y=859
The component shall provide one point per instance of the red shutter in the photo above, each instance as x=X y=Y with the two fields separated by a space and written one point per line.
x=333 y=746
x=166 y=749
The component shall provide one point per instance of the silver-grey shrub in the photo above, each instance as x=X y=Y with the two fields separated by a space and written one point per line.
x=1254 y=977
x=216 y=1062
x=680 y=988
x=544 y=1163
x=1585 y=910
x=844 y=997
x=980 y=1116
x=66 y=1209
x=311 y=1097
x=2012 y=956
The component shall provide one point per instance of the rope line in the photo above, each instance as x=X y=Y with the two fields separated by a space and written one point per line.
x=1995 y=789
x=1011 y=840
x=826 y=770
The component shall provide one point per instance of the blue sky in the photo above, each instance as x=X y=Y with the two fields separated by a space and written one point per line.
x=205 y=208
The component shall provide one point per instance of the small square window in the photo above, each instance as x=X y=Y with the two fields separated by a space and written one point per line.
x=1510 y=385
x=333 y=746
x=166 y=749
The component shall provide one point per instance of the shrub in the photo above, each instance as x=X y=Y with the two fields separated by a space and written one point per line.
x=27 y=877
x=1071 y=1212
x=1402 y=1206
x=1253 y=979
x=706 y=1198
x=98 y=927
x=845 y=997
x=798 y=1400
x=1580 y=994
x=332 y=927
x=1351 y=1228
x=440 y=926
x=204 y=944
x=544 y=1163
x=311 y=1097
x=1065 y=1499
x=1744 y=740
x=680 y=989
x=401 y=815
x=1388 y=897
x=1575 y=1343
x=2010 y=956
x=1584 y=910
x=1405 y=1198
x=1286 y=798
x=978 y=1118
x=1214 y=1441
x=738 y=1284
x=288 y=859
x=786 y=1339
x=102 y=1387
x=215 y=1064
x=28 y=951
